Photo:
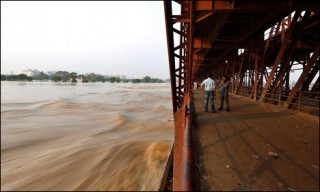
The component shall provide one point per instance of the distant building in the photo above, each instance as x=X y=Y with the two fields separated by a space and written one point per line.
x=79 y=79
x=30 y=72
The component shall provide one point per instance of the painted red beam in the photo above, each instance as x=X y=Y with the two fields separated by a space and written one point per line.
x=170 y=44
x=183 y=158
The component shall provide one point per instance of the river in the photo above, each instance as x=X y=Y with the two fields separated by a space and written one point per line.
x=85 y=136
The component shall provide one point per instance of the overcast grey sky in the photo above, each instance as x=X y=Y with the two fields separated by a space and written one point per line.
x=106 y=37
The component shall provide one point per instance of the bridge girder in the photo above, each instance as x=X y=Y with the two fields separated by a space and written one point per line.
x=255 y=43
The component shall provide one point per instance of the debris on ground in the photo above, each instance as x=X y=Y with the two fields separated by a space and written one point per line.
x=290 y=189
x=255 y=156
x=200 y=166
x=275 y=155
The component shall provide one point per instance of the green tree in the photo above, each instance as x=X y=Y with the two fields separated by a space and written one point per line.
x=11 y=78
x=64 y=75
x=56 y=78
x=156 y=80
x=91 y=77
x=73 y=76
x=20 y=77
x=136 y=80
x=115 y=79
x=42 y=76
x=51 y=77
x=112 y=79
x=3 y=77
x=100 y=78
x=146 y=79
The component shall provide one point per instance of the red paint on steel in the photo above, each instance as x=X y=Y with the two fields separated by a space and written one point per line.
x=179 y=120
x=170 y=44
x=210 y=36
x=183 y=179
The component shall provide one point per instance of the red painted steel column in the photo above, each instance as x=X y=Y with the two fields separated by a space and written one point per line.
x=183 y=177
x=170 y=44
x=181 y=71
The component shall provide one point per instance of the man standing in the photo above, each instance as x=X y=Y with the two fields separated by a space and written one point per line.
x=195 y=85
x=209 y=87
x=224 y=90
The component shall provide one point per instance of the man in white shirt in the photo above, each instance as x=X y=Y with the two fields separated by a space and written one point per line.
x=209 y=87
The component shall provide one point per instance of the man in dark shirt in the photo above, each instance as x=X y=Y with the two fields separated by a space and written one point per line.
x=224 y=90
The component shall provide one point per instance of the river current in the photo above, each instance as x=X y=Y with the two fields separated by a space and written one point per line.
x=89 y=136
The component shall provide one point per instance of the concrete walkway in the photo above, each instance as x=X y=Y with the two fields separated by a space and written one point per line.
x=236 y=150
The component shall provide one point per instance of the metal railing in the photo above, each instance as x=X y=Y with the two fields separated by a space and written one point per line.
x=302 y=101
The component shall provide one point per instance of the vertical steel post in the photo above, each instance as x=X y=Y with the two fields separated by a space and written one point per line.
x=299 y=108
x=255 y=76
x=232 y=77
x=239 y=73
x=279 y=98
x=170 y=44
x=182 y=152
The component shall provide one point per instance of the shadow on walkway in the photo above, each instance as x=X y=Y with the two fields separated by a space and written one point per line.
x=255 y=147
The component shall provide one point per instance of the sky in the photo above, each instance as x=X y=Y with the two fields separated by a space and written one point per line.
x=104 y=37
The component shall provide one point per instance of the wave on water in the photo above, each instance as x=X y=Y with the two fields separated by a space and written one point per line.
x=89 y=139
x=61 y=103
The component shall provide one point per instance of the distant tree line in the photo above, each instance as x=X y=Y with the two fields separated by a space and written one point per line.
x=20 y=77
x=65 y=76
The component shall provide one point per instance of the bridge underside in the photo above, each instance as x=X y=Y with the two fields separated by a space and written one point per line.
x=260 y=45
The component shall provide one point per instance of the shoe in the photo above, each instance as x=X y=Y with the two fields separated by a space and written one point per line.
x=228 y=110
x=213 y=112
x=206 y=111
x=220 y=108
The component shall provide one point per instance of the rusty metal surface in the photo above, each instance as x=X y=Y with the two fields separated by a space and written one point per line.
x=179 y=122
x=183 y=149
x=255 y=43
x=211 y=34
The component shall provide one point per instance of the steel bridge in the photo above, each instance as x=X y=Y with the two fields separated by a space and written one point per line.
x=259 y=44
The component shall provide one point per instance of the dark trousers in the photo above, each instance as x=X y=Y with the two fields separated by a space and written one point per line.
x=209 y=94
x=224 y=98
